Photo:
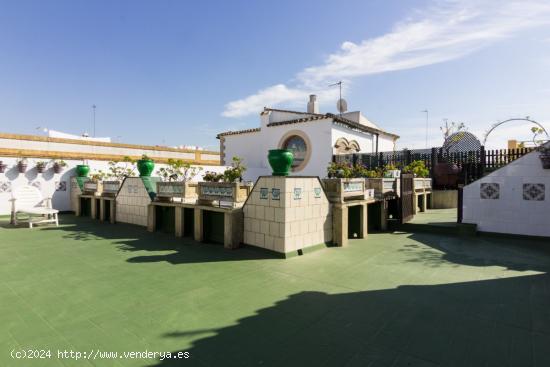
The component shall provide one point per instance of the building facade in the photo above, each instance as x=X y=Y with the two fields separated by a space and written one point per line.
x=313 y=137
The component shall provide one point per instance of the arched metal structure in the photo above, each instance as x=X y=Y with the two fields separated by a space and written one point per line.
x=494 y=126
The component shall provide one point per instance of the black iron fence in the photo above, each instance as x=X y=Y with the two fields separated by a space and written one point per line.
x=467 y=166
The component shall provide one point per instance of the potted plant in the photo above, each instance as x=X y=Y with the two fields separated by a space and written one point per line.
x=22 y=165
x=59 y=166
x=391 y=171
x=280 y=161
x=40 y=166
x=345 y=182
x=421 y=174
x=210 y=176
x=2 y=167
x=176 y=183
x=120 y=172
x=145 y=166
x=93 y=185
x=542 y=147
x=83 y=169
x=230 y=190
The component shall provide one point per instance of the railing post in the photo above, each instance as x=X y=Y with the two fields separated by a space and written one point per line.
x=482 y=159
x=433 y=159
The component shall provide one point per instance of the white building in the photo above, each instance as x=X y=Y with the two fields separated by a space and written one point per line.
x=314 y=137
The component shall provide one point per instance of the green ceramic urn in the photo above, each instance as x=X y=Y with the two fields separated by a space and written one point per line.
x=145 y=167
x=280 y=161
x=82 y=170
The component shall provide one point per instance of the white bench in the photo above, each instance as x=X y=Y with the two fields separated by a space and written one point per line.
x=28 y=200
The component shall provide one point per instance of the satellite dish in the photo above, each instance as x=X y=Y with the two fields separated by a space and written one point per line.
x=342 y=105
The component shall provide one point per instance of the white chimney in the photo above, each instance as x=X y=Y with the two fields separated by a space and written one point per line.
x=312 y=105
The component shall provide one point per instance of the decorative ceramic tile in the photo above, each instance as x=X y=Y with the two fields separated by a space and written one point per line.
x=5 y=186
x=297 y=193
x=61 y=186
x=264 y=193
x=353 y=186
x=217 y=191
x=317 y=192
x=490 y=191
x=275 y=194
x=533 y=191
x=36 y=184
x=132 y=189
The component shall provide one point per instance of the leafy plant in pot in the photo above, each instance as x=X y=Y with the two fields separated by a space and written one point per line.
x=145 y=166
x=120 y=172
x=2 y=167
x=178 y=170
x=22 y=165
x=40 y=166
x=210 y=176
x=58 y=166
x=83 y=169
x=236 y=171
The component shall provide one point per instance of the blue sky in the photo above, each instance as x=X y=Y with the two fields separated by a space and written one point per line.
x=176 y=73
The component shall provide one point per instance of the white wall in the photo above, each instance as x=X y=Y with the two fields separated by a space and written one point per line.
x=510 y=213
x=367 y=142
x=253 y=147
x=48 y=180
x=386 y=143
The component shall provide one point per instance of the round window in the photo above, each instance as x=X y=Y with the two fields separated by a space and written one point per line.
x=298 y=147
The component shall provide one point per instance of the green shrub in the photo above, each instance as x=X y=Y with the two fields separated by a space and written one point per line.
x=418 y=168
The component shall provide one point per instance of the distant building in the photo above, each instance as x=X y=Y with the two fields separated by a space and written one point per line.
x=59 y=134
x=314 y=137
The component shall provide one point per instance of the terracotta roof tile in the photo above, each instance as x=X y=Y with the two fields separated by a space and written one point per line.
x=238 y=132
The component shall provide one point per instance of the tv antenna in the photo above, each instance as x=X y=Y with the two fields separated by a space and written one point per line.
x=94 y=107
x=341 y=105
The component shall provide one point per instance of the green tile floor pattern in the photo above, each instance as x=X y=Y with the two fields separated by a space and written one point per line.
x=400 y=299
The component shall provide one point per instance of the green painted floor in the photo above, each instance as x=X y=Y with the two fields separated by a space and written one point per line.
x=436 y=217
x=397 y=299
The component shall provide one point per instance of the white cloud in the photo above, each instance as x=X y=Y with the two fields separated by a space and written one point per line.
x=447 y=31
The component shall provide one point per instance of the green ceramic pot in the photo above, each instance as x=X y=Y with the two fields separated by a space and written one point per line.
x=145 y=167
x=280 y=161
x=82 y=170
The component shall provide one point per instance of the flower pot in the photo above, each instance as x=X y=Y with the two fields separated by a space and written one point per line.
x=545 y=160
x=145 y=167
x=22 y=167
x=280 y=161
x=40 y=168
x=2 y=167
x=82 y=170
x=57 y=168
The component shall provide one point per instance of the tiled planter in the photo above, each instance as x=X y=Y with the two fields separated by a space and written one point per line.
x=233 y=193
x=177 y=191
x=110 y=188
x=383 y=186
x=422 y=184
x=92 y=188
x=339 y=190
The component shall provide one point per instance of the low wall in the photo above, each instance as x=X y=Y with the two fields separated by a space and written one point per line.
x=514 y=199
x=444 y=199
x=56 y=186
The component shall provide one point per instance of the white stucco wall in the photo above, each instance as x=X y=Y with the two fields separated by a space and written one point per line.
x=253 y=148
x=367 y=142
x=510 y=213
x=48 y=180
x=386 y=143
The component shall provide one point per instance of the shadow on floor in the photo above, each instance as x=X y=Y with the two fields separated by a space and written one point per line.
x=133 y=238
x=512 y=253
x=503 y=322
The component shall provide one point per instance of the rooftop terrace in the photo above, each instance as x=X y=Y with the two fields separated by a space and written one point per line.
x=399 y=299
